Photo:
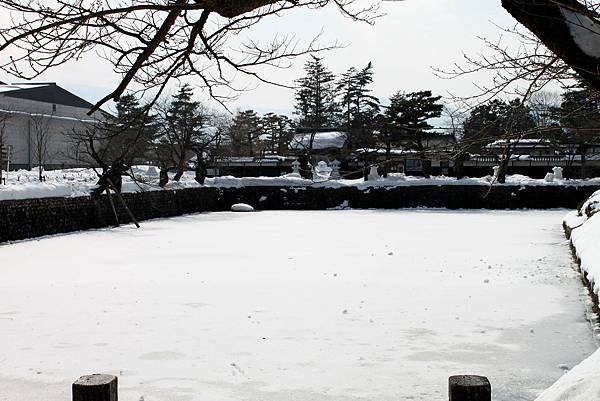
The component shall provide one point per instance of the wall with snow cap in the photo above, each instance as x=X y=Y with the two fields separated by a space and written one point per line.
x=28 y=218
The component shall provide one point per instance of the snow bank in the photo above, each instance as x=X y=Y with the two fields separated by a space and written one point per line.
x=24 y=184
x=582 y=383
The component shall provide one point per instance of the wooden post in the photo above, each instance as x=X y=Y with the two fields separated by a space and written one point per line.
x=112 y=205
x=95 y=388
x=131 y=216
x=469 y=388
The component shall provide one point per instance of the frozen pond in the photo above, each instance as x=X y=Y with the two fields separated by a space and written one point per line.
x=319 y=306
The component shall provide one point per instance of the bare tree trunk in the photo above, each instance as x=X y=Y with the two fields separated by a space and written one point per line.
x=179 y=173
x=504 y=165
x=200 y=168
x=583 y=173
x=163 y=179
x=459 y=165
x=303 y=159
x=112 y=174
x=426 y=166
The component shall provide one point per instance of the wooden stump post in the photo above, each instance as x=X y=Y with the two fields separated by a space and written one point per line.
x=95 y=388
x=469 y=388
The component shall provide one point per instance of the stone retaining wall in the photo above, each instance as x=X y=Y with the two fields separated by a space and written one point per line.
x=21 y=219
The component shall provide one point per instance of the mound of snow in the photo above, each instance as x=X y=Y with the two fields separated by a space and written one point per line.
x=241 y=207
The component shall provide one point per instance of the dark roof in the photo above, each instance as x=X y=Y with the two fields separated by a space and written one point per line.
x=49 y=93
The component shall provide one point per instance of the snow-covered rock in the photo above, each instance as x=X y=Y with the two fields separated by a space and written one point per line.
x=241 y=207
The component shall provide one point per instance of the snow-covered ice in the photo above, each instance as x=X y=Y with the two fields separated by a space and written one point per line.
x=331 y=305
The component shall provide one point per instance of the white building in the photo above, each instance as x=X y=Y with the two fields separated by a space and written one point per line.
x=37 y=122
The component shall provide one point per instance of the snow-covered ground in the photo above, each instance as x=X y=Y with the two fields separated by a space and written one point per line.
x=24 y=184
x=320 y=306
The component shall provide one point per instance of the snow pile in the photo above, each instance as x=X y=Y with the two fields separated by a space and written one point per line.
x=580 y=384
x=241 y=207
x=24 y=184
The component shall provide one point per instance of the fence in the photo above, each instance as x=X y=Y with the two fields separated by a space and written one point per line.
x=105 y=388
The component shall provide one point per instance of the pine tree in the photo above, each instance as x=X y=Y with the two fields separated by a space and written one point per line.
x=411 y=112
x=182 y=128
x=580 y=118
x=408 y=116
x=347 y=88
x=245 y=130
x=367 y=107
x=315 y=96
x=277 y=131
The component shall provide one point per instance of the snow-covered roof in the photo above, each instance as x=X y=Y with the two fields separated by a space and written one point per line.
x=16 y=87
x=321 y=140
x=394 y=151
x=526 y=141
x=49 y=116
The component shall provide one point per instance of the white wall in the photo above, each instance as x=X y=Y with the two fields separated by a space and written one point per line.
x=21 y=131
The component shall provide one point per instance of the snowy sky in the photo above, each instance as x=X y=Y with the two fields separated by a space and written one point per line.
x=403 y=45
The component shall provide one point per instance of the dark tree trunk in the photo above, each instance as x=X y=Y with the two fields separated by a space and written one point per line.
x=459 y=166
x=426 y=167
x=304 y=169
x=180 y=169
x=503 y=168
x=113 y=176
x=200 y=171
x=502 y=171
x=163 y=177
x=388 y=157
x=583 y=163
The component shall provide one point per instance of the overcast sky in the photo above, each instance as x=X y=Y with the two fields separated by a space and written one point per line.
x=403 y=45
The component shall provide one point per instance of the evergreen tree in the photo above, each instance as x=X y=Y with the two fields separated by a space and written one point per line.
x=359 y=107
x=183 y=128
x=277 y=131
x=497 y=120
x=408 y=116
x=346 y=87
x=244 y=133
x=315 y=96
x=579 y=116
